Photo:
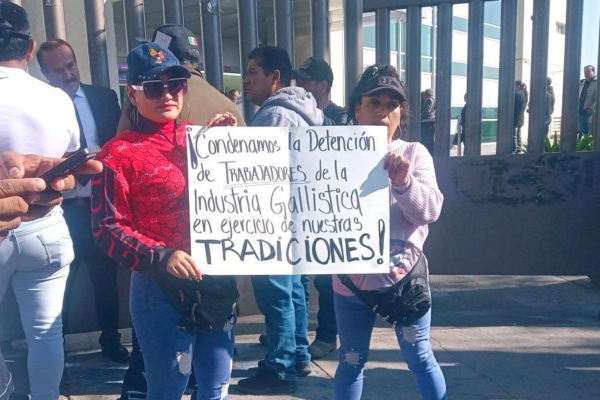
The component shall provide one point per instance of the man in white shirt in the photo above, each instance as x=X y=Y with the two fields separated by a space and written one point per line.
x=35 y=118
x=98 y=114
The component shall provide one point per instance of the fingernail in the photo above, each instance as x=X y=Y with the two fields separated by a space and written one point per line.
x=39 y=184
x=14 y=172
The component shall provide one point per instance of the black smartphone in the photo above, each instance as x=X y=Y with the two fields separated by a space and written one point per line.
x=66 y=167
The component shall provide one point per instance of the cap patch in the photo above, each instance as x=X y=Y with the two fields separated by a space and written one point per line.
x=193 y=41
x=157 y=56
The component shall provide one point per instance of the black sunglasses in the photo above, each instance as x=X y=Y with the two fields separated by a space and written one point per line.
x=154 y=89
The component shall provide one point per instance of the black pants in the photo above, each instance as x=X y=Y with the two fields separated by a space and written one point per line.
x=102 y=270
x=327 y=329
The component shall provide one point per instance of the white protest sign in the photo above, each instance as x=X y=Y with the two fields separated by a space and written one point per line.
x=278 y=201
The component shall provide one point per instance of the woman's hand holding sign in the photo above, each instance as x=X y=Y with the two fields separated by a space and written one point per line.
x=398 y=169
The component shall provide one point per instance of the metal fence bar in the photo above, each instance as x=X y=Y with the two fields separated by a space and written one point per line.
x=54 y=19
x=135 y=22
x=173 y=10
x=539 y=73
x=443 y=79
x=413 y=71
x=96 y=35
x=284 y=26
x=382 y=36
x=570 y=101
x=212 y=46
x=506 y=85
x=319 y=11
x=474 y=79
x=248 y=32
x=353 y=43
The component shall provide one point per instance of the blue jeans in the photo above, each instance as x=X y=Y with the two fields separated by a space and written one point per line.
x=34 y=260
x=282 y=300
x=355 y=324
x=585 y=120
x=327 y=329
x=169 y=352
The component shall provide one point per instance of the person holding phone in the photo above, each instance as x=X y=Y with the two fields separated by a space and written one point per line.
x=35 y=118
x=22 y=195
x=141 y=219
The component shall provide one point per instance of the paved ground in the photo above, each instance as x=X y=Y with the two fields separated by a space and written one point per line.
x=496 y=338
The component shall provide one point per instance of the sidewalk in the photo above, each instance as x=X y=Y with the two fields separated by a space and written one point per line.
x=496 y=338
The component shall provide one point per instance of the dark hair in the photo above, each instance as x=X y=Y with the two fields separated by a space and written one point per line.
x=373 y=72
x=523 y=87
x=51 y=45
x=271 y=58
x=13 y=48
x=591 y=67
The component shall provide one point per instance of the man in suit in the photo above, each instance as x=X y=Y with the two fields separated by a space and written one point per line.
x=98 y=114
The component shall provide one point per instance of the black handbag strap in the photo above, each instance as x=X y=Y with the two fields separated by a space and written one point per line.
x=347 y=281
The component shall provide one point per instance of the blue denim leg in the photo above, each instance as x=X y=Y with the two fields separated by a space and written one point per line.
x=282 y=300
x=169 y=352
x=327 y=328
x=35 y=260
x=355 y=325
x=300 y=297
x=418 y=355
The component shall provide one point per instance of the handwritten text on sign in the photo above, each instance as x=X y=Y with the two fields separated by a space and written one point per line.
x=278 y=201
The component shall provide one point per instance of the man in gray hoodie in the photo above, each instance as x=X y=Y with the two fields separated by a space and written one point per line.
x=282 y=299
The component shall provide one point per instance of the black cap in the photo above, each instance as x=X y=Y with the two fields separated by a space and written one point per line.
x=14 y=21
x=148 y=61
x=180 y=40
x=314 y=69
x=382 y=83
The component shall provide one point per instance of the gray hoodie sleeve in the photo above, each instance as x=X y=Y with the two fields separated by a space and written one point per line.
x=270 y=118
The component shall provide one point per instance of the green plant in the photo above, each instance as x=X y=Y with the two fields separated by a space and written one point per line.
x=585 y=143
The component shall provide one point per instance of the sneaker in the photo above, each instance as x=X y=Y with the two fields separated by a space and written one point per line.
x=302 y=370
x=262 y=339
x=266 y=382
x=320 y=349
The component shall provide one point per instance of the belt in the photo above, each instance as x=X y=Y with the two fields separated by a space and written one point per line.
x=78 y=202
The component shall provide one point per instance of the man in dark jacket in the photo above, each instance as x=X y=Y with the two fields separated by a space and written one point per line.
x=521 y=98
x=98 y=112
x=316 y=77
x=427 y=105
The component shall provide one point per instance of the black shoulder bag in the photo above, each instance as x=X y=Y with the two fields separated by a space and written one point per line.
x=405 y=302
x=204 y=306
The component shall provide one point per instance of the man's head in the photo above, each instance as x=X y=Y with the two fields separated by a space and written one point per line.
x=233 y=95
x=59 y=65
x=16 y=44
x=180 y=40
x=269 y=69
x=427 y=94
x=589 y=71
x=316 y=77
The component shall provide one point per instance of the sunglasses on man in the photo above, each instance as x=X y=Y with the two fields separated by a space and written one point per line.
x=154 y=89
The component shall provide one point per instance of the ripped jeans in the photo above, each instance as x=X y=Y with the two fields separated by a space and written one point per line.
x=355 y=323
x=169 y=352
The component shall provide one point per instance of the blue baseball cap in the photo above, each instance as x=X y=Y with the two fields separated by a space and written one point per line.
x=150 y=60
